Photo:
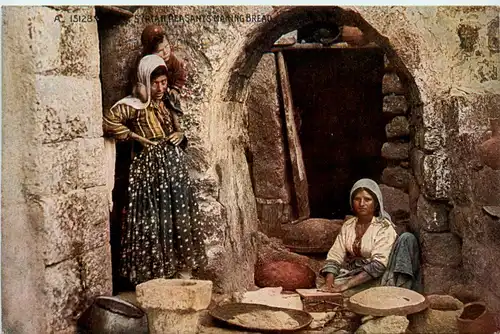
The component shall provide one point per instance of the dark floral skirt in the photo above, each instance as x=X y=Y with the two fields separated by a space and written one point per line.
x=163 y=233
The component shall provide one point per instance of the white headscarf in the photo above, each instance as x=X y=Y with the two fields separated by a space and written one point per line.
x=146 y=66
x=373 y=186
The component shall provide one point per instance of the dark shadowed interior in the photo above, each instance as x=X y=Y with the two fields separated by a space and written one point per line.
x=337 y=94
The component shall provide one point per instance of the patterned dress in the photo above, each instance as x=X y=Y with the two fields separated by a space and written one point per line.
x=162 y=233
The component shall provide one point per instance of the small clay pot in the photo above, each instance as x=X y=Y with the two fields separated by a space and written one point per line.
x=489 y=151
x=289 y=275
x=353 y=36
x=475 y=318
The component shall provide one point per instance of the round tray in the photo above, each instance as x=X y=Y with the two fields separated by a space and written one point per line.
x=225 y=312
x=383 y=301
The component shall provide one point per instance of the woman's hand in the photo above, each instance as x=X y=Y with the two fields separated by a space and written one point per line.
x=176 y=138
x=329 y=279
x=339 y=288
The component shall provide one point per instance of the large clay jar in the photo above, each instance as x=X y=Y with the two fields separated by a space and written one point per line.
x=489 y=151
x=476 y=318
x=314 y=235
x=287 y=274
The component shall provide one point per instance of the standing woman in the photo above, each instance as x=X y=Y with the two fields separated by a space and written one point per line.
x=162 y=234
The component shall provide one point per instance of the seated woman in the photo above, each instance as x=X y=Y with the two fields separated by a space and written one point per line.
x=162 y=234
x=368 y=252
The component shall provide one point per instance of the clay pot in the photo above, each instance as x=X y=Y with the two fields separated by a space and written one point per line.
x=475 y=318
x=489 y=151
x=289 y=275
x=353 y=36
x=315 y=235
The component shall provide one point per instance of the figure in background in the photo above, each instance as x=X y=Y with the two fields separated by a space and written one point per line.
x=155 y=41
x=368 y=252
x=162 y=235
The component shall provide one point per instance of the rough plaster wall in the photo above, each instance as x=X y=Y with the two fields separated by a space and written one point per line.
x=55 y=232
x=216 y=129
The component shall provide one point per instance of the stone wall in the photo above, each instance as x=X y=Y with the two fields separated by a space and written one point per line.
x=452 y=53
x=54 y=208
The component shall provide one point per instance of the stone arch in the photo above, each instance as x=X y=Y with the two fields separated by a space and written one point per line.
x=285 y=19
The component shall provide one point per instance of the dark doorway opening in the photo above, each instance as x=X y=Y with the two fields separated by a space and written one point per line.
x=338 y=98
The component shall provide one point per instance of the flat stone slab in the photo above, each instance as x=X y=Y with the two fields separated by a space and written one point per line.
x=387 y=300
x=273 y=297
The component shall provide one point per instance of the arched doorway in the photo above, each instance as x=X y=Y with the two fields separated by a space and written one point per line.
x=365 y=131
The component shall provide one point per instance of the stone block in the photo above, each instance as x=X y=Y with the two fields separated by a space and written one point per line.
x=392 y=324
x=395 y=151
x=434 y=322
x=174 y=294
x=444 y=302
x=173 y=322
x=397 y=177
x=91 y=171
x=320 y=319
x=395 y=104
x=391 y=84
x=45 y=38
x=437 y=176
x=417 y=165
x=67 y=108
x=486 y=187
x=173 y=306
x=79 y=46
x=64 y=293
x=438 y=280
x=432 y=217
x=441 y=249
x=61 y=161
x=398 y=127
x=64 y=47
x=96 y=273
x=396 y=203
x=74 y=223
